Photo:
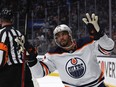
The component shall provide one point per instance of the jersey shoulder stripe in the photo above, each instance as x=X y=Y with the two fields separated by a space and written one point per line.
x=83 y=41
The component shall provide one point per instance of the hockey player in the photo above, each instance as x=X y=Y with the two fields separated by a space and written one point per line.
x=10 y=57
x=75 y=60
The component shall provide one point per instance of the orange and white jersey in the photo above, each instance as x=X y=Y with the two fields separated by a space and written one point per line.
x=79 y=67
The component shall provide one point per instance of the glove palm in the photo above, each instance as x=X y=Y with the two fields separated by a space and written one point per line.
x=92 y=26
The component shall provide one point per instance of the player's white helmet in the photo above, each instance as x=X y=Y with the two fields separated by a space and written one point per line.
x=61 y=28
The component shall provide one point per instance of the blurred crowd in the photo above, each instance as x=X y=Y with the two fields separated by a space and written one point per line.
x=54 y=12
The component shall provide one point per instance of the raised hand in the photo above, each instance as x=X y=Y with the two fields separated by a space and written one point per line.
x=93 y=26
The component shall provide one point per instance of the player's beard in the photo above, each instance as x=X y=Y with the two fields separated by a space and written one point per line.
x=65 y=43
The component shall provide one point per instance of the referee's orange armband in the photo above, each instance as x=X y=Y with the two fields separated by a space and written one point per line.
x=3 y=54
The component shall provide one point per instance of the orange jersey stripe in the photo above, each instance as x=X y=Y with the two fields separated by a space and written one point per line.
x=45 y=69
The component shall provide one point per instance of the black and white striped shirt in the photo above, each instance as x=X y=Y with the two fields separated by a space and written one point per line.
x=7 y=36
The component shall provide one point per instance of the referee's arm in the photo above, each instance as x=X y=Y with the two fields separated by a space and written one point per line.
x=3 y=50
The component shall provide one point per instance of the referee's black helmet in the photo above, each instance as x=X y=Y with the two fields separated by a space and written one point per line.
x=6 y=14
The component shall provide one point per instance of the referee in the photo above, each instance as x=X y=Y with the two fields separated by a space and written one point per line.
x=10 y=57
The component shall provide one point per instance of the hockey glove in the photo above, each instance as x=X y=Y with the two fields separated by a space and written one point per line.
x=93 y=27
x=30 y=50
x=31 y=54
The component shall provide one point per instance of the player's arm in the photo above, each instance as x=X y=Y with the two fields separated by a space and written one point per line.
x=37 y=67
x=105 y=44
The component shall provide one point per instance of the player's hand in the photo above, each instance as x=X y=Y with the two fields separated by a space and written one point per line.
x=93 y=26
x=31 y=54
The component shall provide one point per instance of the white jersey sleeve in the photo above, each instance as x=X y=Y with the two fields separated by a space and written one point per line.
x=104 y=45
x=43 y=67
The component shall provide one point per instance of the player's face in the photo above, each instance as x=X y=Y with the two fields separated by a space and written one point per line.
x=63 y=39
